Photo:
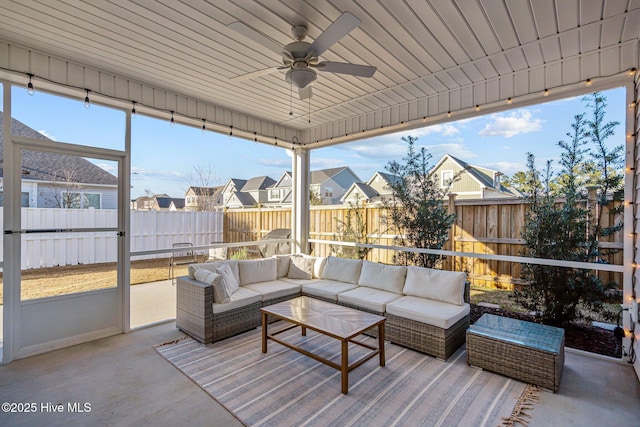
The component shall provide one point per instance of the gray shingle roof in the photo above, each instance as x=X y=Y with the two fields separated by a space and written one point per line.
x=320 y=176
x=165 y=202
x=257 y=183
x=42 y=166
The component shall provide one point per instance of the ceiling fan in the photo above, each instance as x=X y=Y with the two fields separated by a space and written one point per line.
x=300 y=58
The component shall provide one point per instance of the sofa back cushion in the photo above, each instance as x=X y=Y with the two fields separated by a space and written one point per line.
x=212 y=266
x=384 y=277
x=258 y=270
x=342 y=269
x=301 y=267
x=318 y=266
x=439 y=285
x=283 y=265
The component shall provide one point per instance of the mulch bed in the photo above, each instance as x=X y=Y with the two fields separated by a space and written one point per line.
x=582 y=337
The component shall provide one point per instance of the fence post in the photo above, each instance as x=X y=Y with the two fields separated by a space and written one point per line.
x=449 y=262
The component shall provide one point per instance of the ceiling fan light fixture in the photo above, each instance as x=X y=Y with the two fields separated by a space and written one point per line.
x=301 y=77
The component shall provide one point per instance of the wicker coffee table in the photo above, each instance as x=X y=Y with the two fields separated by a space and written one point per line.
x=526 y=351
x=336 y=321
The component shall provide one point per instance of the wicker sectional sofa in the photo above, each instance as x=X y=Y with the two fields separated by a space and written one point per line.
x=426 y=309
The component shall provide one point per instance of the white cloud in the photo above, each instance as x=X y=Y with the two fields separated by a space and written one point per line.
x=512 y=124
x=279 y=163
x=507 y=168
x=326 y=163
x=144 y=174
x=51 y=137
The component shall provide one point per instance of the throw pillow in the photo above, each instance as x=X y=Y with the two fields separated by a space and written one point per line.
x=229 y=280
x=220 y=294
x=300 y=268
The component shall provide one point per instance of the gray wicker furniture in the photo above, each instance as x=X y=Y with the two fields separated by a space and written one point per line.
x=434 y=326
x=526 y=351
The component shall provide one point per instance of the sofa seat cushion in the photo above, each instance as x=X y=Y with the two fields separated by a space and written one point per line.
x=240 y=298
x=300 y=282
x=436 y=313
x=327 y=289
x=369 y=298
x=274 y=289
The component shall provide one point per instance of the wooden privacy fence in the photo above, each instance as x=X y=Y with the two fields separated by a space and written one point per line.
x=149 y=230
x=482 y=226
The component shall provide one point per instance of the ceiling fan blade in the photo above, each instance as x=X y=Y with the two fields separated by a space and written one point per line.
x=305 y=93
x=255 y=36
x=254 y=74
x=342 y=26
x=345 y=68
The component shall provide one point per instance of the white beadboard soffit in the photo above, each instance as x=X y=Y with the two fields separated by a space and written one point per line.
x=432 y=57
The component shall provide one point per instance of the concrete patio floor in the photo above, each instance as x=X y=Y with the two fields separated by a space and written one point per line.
x=127 y=383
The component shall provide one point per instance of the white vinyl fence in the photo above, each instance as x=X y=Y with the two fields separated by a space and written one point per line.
x=149 y=230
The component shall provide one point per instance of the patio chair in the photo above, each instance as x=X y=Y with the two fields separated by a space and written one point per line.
x=187 y=256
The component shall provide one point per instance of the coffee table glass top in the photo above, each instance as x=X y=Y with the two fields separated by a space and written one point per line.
x=343 y=322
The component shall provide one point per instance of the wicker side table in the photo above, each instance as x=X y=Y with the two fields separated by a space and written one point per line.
x=526 y=351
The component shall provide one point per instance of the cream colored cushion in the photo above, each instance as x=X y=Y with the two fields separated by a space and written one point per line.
x=300 y=267
x=220 y=294
x=318 y=266
x=212 y=266
x=274 y=289
x=228 y=279
x=342 y=269
x=257 y=270
x=241 y=298
x=327 y=289
x=435 y=313
x=369 y=298
x=439 y=285
x=385 y=277
x=283 y=265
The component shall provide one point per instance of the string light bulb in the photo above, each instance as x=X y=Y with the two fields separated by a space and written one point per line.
x=133 y=108
x=546 y=92
x=255 y=136
x=589 y=82
x=30 y=85
x=172 y=122
x=204 y=127
x=509 y=101
x=632 y=72
x=87 y=101
x=230 y=131
x=477 y=107
x=633 y=104
x=448 y=113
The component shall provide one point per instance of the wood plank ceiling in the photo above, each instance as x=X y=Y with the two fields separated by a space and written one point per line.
x=421 y=48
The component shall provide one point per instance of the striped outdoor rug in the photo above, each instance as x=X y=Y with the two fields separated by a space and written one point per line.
x=285 y=388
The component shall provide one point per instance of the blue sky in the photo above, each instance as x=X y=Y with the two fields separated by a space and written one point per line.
x=164 y=157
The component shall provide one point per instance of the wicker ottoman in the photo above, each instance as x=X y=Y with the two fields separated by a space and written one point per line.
x=526 y=351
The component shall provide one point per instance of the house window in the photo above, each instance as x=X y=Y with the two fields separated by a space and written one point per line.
x=24 y=199
x=328 y=191
x=447 y=179
x=274 y=194
x=80 y=200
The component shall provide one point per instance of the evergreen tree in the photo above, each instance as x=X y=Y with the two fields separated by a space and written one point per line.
x=417 y=208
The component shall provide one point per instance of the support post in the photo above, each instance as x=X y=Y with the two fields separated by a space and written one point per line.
x=300 y=201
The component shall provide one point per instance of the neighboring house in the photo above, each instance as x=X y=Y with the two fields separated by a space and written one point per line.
x=203 y=198
x=169 y=204
x=329 y=184
x=146 y=203
x=375 y=191
x=240 y=193
x=469 y=181
x=52 y=180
